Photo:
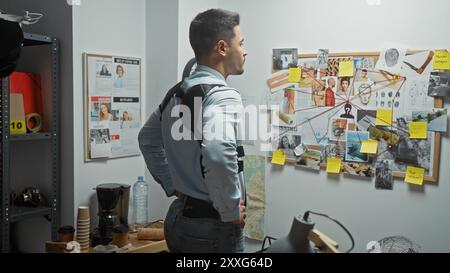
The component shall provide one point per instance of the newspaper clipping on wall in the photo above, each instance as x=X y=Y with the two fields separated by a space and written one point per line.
x=113 y=109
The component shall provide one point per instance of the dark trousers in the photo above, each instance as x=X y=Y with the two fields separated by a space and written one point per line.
x=202 y=235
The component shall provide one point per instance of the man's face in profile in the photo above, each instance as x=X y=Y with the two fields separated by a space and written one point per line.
x=235 y=58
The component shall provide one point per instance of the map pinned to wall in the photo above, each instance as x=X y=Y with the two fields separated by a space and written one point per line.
x=254 y=176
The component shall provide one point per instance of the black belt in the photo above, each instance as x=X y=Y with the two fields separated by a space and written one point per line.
x=196 y=208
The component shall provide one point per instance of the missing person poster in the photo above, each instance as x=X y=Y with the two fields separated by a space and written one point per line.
x=112 y=88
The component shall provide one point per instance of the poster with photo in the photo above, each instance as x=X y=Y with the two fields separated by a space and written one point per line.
x=284 y=58
x=112 y=91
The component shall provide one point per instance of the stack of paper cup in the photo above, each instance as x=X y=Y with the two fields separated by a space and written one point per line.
x=83 y=228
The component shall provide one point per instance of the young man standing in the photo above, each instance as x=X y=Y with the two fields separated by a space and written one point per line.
x=205 y=175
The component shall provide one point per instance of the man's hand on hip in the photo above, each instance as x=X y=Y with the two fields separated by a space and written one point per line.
x=242 y=215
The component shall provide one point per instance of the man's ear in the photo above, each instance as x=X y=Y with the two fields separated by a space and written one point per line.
x=221 y=46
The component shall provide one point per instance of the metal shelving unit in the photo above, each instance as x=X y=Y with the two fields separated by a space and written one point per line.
x=10 y=213
x=26 y=137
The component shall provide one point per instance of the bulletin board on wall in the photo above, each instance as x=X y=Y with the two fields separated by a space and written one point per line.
x=112 y=105
x=317 y=126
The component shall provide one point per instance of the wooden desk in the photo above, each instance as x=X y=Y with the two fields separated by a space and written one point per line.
x=145 y=246
x=141 y=246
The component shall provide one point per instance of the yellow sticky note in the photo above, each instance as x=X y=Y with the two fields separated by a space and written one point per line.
x=346 y=68
x=278 y=157
x=441 y=60
x=334 y=165
x=295 y=74
x=17 y=127
x=384 y=117
x=369 y=146
x=414 y=175
x=418 y=129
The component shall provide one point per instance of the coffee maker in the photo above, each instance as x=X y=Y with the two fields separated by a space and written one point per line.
x=113 y=201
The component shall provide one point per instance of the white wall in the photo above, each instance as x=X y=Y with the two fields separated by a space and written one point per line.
x=115 y=27
x=188 y=9
x=420 y=214
x=167 y=51
x=162 y=71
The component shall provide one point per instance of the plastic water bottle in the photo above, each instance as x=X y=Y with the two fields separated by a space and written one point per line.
x=140 y=202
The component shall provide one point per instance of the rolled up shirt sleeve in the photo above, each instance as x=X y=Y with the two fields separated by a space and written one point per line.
x=219 y=155
x=152 y=148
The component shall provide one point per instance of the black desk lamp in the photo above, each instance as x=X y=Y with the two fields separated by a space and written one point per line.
x=300 y=236
x=297 y=239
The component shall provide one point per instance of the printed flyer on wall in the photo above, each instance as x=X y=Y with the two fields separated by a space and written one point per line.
x=112 y=107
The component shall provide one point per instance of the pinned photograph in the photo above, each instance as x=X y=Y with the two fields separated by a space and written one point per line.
x=322 y=59
x=353 y=148
x=439 y=84
x=331 y=89
x=384 y=178
x=344 y=87
x=383 y=133
x=333 y=149
x=363 y=64
x=365 y=118
x=436 y=119
x=414 y=152
x=288 y=103
x=287 y=142
x=284 y=58
x=337 y=129
x=310 y=159
x=358 y=169
x=391 y=59
x=402 y=124
x=318 y=93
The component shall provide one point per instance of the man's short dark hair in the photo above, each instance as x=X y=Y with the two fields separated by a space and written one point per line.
x=345 y=79
x=210 y=26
